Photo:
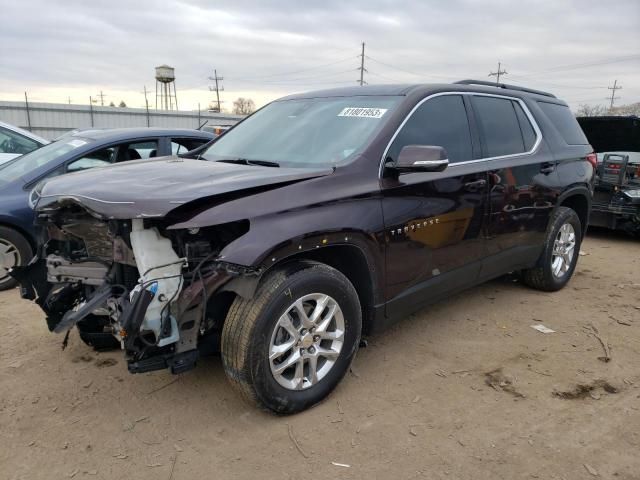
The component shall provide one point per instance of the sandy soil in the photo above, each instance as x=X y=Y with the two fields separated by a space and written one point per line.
x=465 y=389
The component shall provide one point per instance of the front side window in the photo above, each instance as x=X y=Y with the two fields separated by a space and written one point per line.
x=184 y=145
x=499 y=126
x=308 y=132
x=100 y=158
x=139 y=150
x=440 y=121
x=12 y=142
x=47 y=155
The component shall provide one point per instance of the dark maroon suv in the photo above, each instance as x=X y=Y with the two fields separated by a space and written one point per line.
x=319 y=218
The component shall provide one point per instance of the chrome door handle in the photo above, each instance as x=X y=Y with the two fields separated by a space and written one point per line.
x=547 y=167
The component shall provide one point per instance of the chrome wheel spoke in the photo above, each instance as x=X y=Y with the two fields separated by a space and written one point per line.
x=313 y=370
x=306 y=341
x=278 y=350
x=290 y=361
x=327 y=353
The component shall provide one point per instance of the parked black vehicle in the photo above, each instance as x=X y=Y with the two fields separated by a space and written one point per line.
x=616 y=140
x=289 y=244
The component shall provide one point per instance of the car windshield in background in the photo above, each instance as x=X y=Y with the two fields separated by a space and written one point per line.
x=309 y=132
x=25 y=164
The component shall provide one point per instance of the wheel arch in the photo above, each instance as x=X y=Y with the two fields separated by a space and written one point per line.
x=578 y=198
x=348 y=258
x=27 y=236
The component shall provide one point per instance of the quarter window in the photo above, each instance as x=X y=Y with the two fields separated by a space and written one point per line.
x=499 y=126
x=528 y=133
x=440 y=121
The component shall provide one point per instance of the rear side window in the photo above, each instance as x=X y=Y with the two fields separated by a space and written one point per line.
x=565 y=123
x=499 y=126
x=528 y=133
x=441 y=121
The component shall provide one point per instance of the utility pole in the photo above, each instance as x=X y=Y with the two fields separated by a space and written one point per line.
x=69 y=98
x=101 y=95
x=91 y=109
x=26 y=103
x=498 y=73
x=362 y=69
x=217 y=88
x=613 y=93
x=146 y=104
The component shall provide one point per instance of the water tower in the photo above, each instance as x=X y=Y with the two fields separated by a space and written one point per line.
x=165 y=79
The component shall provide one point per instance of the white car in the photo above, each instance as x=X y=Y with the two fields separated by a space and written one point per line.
x=15 y=141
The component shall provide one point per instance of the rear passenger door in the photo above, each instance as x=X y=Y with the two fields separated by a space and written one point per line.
x=521 y=180
x=434 y=220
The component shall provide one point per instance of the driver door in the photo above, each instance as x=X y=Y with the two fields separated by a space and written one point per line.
x=435 y=221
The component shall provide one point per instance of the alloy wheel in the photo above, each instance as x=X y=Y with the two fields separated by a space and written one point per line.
x=563 y=250
x=9 y=258
x=306 y=341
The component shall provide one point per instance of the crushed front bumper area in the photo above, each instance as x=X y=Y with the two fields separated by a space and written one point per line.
x=126 y=281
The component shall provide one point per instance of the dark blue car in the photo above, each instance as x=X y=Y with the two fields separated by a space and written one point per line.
x=74 y=152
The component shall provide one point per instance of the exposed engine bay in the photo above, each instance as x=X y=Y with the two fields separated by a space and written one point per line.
x=132 y=283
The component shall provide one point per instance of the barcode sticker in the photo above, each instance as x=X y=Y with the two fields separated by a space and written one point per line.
x=363 y=112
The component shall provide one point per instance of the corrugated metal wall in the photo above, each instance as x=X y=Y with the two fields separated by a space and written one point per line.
x=50 y=120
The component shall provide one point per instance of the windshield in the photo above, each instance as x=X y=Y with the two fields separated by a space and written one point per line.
x=309 y=132
x=25 y=164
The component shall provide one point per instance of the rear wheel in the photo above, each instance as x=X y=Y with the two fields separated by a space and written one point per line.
x=560 y=254
x=289 y=346
x=14 y=251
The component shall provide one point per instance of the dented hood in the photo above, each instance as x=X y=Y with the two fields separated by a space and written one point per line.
x=152 y=188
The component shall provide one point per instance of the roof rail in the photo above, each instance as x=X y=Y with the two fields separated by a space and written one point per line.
x=505 y=86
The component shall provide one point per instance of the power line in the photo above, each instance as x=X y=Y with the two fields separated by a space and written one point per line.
x=613 y=92
x=295 y=71
x=405 y=70
x=498 y=73
x=574 y=66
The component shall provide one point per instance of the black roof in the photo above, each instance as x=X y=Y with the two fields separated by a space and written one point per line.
x=407 y=89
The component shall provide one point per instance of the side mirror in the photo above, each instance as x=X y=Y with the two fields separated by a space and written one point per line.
x=421 y=158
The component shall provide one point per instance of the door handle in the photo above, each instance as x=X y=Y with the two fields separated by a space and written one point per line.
x=475 y=185
x=547 y=168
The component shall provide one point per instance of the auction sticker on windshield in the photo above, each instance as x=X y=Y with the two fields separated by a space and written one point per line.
x=364 y=112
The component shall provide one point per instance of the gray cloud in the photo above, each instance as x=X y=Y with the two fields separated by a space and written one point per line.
x=254 y=44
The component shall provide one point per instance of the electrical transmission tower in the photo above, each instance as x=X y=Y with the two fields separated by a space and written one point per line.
x=218 y=87
x=613 y=93
x=101 y=95
x=498 y=73
x=362 y=69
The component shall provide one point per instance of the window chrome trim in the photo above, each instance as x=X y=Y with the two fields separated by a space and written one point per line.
x=521 y=102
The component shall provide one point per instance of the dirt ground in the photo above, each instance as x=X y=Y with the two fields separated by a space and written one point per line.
x=465 y=389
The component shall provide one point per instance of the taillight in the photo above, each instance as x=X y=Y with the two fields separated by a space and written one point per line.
x=592 y=158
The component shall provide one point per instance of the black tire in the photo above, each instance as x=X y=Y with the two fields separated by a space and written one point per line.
x=248 y=329
x=91 y=330
x=542 y=277
x=9 y=236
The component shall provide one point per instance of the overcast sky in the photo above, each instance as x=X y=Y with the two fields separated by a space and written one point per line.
x=267 y=48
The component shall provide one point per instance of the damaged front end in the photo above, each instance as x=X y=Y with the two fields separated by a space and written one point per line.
x=132 y=283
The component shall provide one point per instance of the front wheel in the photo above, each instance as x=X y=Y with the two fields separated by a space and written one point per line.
x=560 y=254
x=290 y=345
x=15 y=251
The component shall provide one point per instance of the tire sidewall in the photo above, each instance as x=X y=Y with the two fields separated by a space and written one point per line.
x=565 y=215
x=23 y=247
x=310 y=280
